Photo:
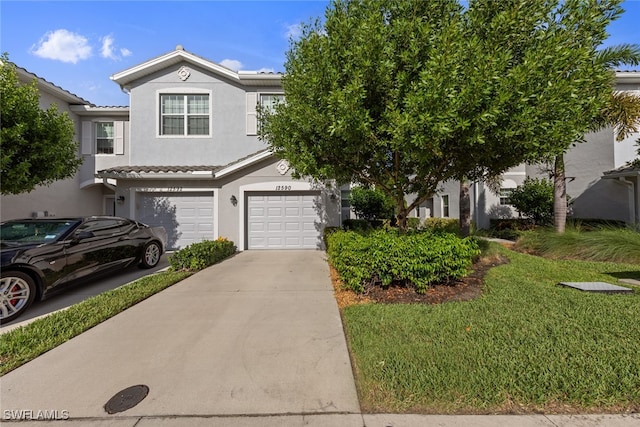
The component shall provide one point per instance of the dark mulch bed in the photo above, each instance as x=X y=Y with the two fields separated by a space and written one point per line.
x=467 y=288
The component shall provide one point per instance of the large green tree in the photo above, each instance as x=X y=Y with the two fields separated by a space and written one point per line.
x=405 y=95
x=37 y=147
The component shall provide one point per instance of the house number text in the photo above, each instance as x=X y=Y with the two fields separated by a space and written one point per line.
x=283 y=188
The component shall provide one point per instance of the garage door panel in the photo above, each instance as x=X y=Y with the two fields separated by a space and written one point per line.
x=256 y=226
x=274 y=226
x=292 y=212
x=292 y=226
x=187 y=217
x=274 y=212
x=289 y=221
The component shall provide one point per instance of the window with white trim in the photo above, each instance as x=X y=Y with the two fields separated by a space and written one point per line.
x=184 y=114
x=445 y=206
x=105 y=138
x=505 y=194
x=268 y=101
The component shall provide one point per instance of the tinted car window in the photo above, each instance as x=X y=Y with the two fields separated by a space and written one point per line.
x=101 y=227
x=34 y=231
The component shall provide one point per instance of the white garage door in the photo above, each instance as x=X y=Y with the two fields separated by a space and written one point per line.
x=187 y=217
x=283 y=221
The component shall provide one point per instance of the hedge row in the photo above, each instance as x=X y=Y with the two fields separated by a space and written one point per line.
x=386 y=256
x=198 y=256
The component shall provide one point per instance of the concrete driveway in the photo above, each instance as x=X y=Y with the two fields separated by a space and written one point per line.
x=258 y=334
x=83 y=291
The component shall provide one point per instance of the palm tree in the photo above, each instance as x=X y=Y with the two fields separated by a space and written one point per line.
x=622 y=112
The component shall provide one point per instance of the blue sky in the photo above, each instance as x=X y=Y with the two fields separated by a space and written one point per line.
x=78 y=45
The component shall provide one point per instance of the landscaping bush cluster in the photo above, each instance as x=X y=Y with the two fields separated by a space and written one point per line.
x=198 y=256
x=386 y=256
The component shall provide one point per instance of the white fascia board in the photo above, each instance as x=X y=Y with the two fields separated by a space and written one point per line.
x=244 y=163
x=128 y=75
x=87 y=110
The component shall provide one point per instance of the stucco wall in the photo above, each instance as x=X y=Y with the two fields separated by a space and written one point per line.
x=262 y=176
x=229 y=140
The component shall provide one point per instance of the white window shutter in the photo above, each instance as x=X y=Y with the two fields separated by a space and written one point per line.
x=87 y=138
x=119 y=137
x=252 y=114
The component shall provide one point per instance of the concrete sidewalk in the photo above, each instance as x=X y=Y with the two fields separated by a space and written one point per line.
x=254 y=341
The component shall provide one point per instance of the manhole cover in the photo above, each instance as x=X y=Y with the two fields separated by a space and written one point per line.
x=126 y=399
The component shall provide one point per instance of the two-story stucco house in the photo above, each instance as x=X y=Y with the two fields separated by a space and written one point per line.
x=185 y=154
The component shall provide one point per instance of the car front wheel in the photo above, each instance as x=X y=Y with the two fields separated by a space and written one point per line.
x=17 y=292
x=151 y=255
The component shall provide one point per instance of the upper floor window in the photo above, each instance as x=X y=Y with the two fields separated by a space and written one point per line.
x=105 y=138
x=269 y=101
x=184 y=114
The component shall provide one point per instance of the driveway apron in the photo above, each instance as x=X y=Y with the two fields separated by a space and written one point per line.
x=259 y=333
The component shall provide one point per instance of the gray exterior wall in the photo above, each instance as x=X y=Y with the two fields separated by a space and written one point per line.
x=229 y=140
x=231 y=219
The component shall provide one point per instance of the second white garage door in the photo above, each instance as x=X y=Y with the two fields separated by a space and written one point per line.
x=187 y=217
x=283 y=221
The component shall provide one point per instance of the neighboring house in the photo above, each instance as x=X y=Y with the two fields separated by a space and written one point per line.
x=186 y=155
x=83 y=194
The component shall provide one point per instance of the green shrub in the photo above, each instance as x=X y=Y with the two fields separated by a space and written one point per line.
x=413 y=223
x=509 y=228
x=325 y=232
x=357 y=224
x=386 y=256
x=371 y=203
x=450 y=225
x=534 y=199
x=198 y=256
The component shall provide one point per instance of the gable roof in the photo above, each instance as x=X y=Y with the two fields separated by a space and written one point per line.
x=179 y=55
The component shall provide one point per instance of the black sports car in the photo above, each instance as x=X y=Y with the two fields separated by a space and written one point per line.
x=43 y=255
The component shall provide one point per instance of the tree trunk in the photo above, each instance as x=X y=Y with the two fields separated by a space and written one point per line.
x=402 y=220
x=465 y=208
x=559 y=195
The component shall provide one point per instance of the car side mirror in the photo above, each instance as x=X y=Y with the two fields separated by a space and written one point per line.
x=82 y=235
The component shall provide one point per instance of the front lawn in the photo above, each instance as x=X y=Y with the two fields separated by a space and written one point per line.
x=526 y=345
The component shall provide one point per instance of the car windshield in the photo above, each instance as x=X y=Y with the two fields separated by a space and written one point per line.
x=33 y=231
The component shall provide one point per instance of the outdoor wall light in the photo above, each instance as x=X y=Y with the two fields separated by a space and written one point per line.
x=120 y=199
x=233 y=200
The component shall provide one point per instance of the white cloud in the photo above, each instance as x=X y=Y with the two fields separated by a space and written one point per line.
x=293 y=31
x=62 y=45
x=108 y=49
x=232 y=64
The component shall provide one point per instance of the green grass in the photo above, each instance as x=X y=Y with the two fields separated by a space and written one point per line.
x=603 y=244
x=526 y=345
x=25 y=343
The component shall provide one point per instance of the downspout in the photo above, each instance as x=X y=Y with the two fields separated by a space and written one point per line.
x=632 y=201
x=476 y=211
x=109 y=186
